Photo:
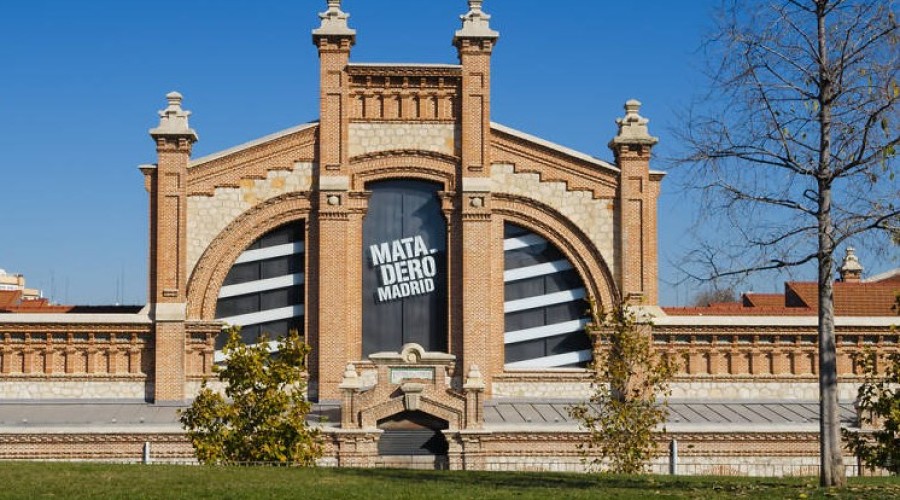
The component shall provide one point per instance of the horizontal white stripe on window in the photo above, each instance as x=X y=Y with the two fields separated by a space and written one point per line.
x=542 y=332
x=219 y=356
x=569 y=358
x=521 y=273
x=270 y=252
x=261 y=285
x=523 y=241
x=543 y=300
x=264 y=316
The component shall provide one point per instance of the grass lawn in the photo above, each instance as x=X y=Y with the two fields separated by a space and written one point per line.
x=80 y=480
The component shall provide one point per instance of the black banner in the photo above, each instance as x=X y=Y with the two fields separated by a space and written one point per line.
x=404 y=267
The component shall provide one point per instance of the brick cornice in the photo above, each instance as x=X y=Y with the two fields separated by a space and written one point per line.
x=452 y=72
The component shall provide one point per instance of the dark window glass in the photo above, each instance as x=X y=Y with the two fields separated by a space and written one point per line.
x=567 y=311
x=558 y=282
x=546 y=315
x=521 y=320
x=522 y=351
x=242 y=273
x=234 y=306
x=575 y=341
x=267 y=299
x=531 y=255
x=521 y=289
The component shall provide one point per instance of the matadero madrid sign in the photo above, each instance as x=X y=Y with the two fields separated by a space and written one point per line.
x=406 y=268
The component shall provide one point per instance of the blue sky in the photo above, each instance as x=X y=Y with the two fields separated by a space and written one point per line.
x=81 y=82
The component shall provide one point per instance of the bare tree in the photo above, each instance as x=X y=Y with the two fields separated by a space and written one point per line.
x=796 y=147
x=713 y=295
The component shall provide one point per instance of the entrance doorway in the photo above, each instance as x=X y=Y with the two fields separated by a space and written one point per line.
x=413 y=439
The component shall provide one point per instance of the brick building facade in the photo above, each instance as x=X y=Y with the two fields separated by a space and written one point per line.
x=438 y=264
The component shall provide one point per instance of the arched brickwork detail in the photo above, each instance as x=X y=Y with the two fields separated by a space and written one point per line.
x=216 y=261
x=403 y=164
x=568 y=237
x=454 y=416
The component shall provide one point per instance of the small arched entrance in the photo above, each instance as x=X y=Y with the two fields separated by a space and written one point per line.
x=413 y=439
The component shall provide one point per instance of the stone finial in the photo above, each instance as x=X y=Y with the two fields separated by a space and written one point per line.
x=476 y=23
x=334 y=21
x=633 y=127
x=351 y=379
x=474 y=380
x=851 y=269
x=173 y=120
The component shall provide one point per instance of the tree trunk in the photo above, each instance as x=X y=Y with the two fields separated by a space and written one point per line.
x=832 y=471
x=830 y=450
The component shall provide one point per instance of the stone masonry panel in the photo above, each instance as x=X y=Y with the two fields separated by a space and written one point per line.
x=368 y=138
x=208 y=216
x=73 y=389
x=593 y=216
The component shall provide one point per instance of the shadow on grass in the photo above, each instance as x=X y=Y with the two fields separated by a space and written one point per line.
x=572 y=481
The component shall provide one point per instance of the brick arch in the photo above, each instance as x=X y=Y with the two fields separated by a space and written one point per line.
x=219 y=256
x=455 y=417
x=405 y=164
x=568 y=238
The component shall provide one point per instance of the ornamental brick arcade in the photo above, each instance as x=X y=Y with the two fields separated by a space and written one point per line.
x=438 y=264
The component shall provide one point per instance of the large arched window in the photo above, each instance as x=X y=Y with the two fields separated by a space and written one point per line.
x=545 y=310
x=263 y=292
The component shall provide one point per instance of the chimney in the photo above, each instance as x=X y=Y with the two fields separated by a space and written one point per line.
x=851 y=270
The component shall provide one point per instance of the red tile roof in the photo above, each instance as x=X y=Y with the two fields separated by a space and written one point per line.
x=9 y=298
x=751 y=299
x=11 y=302
x=800 y=298
x=850 y=299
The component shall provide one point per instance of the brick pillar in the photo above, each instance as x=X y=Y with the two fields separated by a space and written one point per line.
x=637 y=268
x=168 y=224
x=331 y=257
x=476 y=249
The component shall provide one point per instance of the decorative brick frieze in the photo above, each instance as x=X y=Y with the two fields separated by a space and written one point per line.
x=762 y=353
x=60 y=351
x=200 y=347
x=87 y=359
x=419 y=93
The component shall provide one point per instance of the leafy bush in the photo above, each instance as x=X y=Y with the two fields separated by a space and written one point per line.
x=878 y=405
x=262 y=416
x=630 y=393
